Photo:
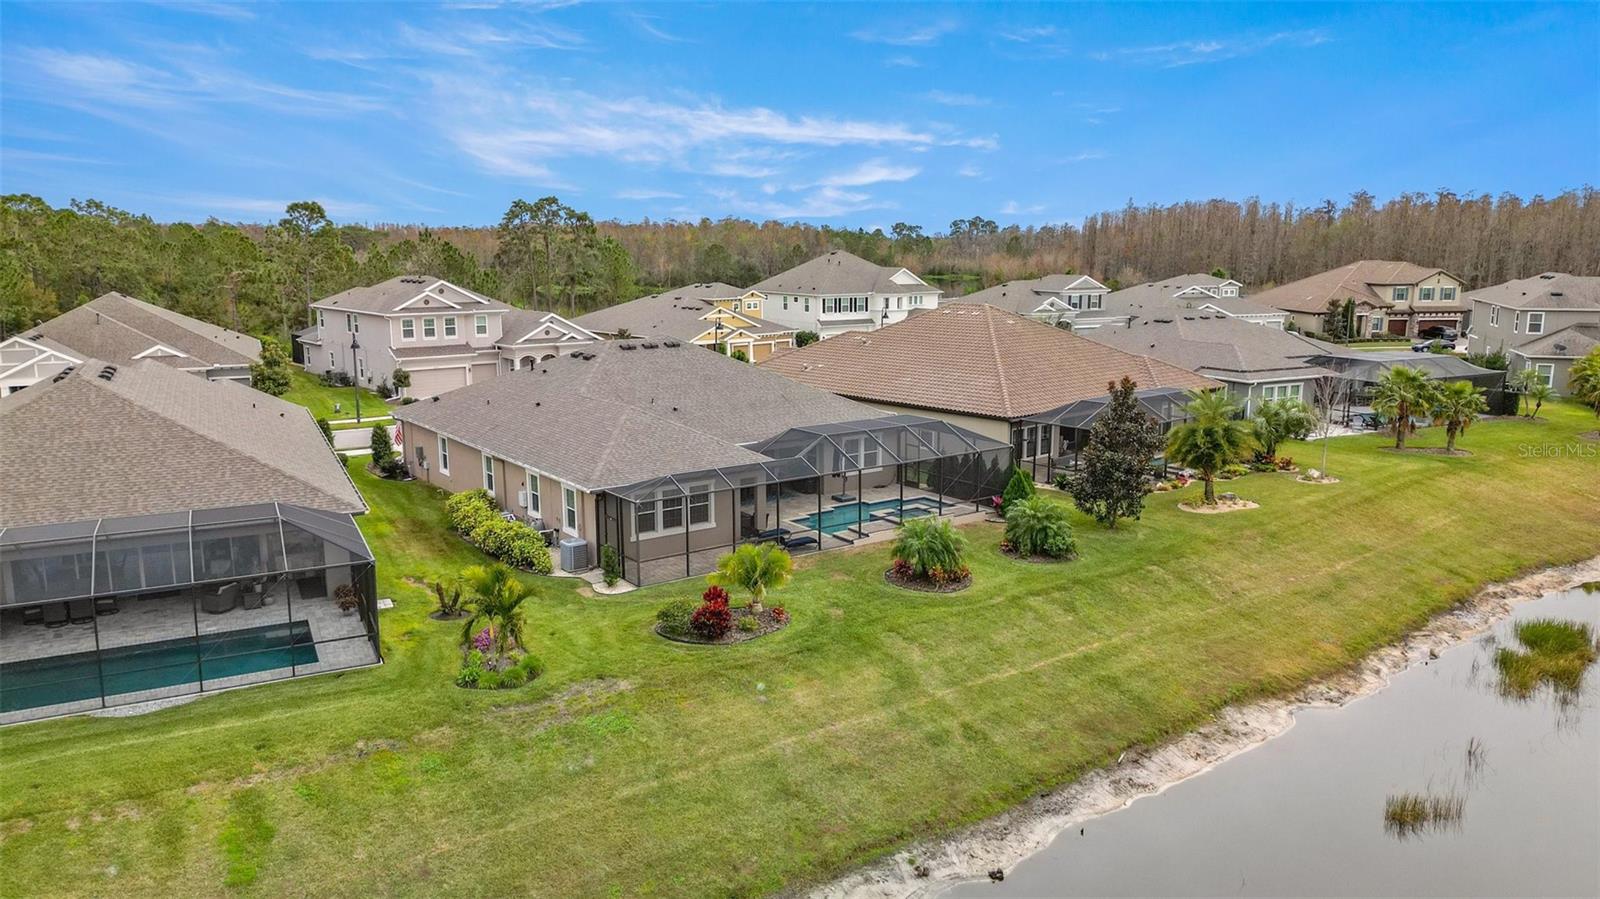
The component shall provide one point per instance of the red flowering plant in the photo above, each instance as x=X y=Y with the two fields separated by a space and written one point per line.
x=713 y=619
x=780 y=614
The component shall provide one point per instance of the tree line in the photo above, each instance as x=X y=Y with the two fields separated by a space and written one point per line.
x=547 y=254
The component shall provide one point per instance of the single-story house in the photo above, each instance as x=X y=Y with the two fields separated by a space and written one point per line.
x=121 y=329
x=1552 y=355
x=710 y=315
x=671 y=454
x=984 y=369
x=163 y=535
x=1189 y=294
x=1257 y=363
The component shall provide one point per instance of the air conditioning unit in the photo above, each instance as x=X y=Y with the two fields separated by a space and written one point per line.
x=574 y=554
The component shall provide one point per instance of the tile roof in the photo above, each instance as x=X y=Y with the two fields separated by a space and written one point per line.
x=388 y=296
x=977 y=360
x=1550 y=290
x=117 y=328
x=1218 y=346
x=617 y=412
x=1572 y=342
x=151 y=439
x=676 y=313
x=1353 y=281
x=838 y=273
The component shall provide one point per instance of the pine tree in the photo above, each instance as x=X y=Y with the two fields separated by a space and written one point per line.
x=1112 y=478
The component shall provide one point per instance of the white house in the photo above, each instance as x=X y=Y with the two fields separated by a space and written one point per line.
x=840 y=292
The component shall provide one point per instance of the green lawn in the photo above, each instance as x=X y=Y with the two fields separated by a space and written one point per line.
x=641 y=767
x=1382 y=345
x=309 y=391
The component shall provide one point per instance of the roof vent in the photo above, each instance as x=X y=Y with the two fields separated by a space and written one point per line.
x=1561 y=348
x=671 y=343
x=625 y=346
x=63 y=373
x=1548 y=276
x=647 y=345
x=436 y=399
x=1557 y=293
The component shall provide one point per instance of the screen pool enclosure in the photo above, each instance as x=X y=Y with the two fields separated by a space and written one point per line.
x=113 y=611
x=817 y=487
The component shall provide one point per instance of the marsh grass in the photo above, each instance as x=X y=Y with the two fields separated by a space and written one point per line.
x=1555 y=653
x=1414 y=814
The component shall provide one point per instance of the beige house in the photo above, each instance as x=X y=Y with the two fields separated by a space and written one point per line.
x=709 y=315
x=122 y=330
x=1399 y=299
x=442 y=335
x=1545 y=323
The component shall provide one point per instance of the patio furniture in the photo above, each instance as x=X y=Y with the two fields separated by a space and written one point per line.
x=548 y=533
x=253 y=598
x=843 y=498
x=80 y=611
x=33 y=615
x=106 y=605
x=778 y=534
x=226 y=597
x=55 y=615
x=799 y=542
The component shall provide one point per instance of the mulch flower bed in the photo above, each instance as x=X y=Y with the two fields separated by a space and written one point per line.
x=766 y=623
x=924 y=585
x=1038 y=559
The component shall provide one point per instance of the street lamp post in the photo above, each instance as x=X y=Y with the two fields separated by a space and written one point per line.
x=354 y=346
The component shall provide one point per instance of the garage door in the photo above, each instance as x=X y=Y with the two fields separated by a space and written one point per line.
x=434 y=381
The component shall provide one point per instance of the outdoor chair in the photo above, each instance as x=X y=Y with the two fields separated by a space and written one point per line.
x=778 y=534
x=55 y=615
x=105 y=605
x=33 y=615
x=226 y=597
x=798 y=542
x=843 y=498
x=80 y=611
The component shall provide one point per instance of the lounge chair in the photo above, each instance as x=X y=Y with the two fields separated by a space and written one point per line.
x=778 y=534
x=226 y=597
x=798 y=542
x=80 y=611
x=105 y=605
x=55 y=615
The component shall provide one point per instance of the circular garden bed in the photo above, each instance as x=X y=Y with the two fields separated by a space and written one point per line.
x=926 y=585
x=1036 y=558
x=766 y=621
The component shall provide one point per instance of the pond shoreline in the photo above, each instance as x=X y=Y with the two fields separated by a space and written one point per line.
x=1008 y=838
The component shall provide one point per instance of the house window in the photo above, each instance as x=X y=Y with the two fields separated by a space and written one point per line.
x=430 y=328
x=700 y=507
x=1282 y=392
x=1494 y=316
x=1377 y=324
x=322 y=320
x=488 y=473
x=644 y=518
x=1096 y=301
x=752 y=305
x=1072 y=300
x=361 y=368
x=480 y=325
x=785 y=304
x=1425 y=294
x=1446 y=294
x=1536 y=323
x=331 y=362
x=916 y=300
x=449 y=326
x=1402 y=294
x=808 y=305
x=1516 y=323
x=444 y=454
x=533 y=490
x=349 y=322
x=1546 y=372
x=408 y=329
x=672 y=513
x=569 y=509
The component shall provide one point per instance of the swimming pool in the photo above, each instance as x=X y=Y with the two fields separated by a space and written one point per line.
x=844 y=517
x=147 y=666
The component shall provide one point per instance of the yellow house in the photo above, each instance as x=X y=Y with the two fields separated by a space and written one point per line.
x=710 y=315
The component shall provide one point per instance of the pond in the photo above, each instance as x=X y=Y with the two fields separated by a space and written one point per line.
x=1304 y=814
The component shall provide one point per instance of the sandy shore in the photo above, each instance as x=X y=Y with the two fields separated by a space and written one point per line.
x=1002 y=841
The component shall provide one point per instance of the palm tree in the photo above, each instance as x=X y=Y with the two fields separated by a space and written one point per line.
x=1523 y=382
x=754 y=568
x=1539 y=394
x=1213 y=438
x=1403 y=392
x=1583 y=383
x=1457 y=405
x=497 y=597
x=1280 y=420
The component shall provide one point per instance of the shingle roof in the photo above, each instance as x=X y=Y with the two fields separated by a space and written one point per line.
x=519 y=323
x=430 y=352
x=1550 y=290
x=117 y=328
x=617 y=412
x=1351 y=281
x=1218 y=346
x=838 y=273
x=978 y=360
x=673 y=313
x=151 y=440
x=1571 y=342
x=1154 y=297
x=388 y=296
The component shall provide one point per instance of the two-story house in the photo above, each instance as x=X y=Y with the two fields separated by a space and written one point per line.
x=1384 y=298
x=839 y=292
x=711 y=315
x=1071 y=301
x=1197 y=292
x=442 y=335
x=1545 y=322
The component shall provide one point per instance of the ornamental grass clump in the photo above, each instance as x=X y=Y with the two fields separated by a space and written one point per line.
x=1555 y=653
x=929 y=549
x=1040 y=527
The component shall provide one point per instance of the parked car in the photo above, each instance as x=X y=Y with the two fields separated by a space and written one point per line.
x=1434 y=346
x=1442 y=332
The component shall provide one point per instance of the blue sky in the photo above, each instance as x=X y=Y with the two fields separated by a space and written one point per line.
x=849 y=114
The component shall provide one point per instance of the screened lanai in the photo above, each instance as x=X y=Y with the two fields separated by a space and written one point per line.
x=113 y=611
x=807 y=489
x=1051 y=442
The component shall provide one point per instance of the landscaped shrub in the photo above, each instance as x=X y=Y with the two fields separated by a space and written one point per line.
x=713 y=619
x=494 y=536
x=674 y=617
x=1285 y=463
x=471 y=672
x=524 y=548
x=1020 y=487
x=466 y=510
x=610 y=565
x=749 y=624
x=1233 y=471
x=1040 y=527
x=780 y=614
x=473 y=513
x=926 y=544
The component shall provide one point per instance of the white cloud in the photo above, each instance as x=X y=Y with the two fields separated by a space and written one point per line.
x=824 y=202
x=222 y=205
x=1085 y=156
x=874 y=171
x=970 y=171
x=647 y=194
x=1027 y=34
x=902 y=62
x=1012 y=207
x=922 y=35
x=1196 y=51
x=946 y=98
x=238 y=12
x=647 y=24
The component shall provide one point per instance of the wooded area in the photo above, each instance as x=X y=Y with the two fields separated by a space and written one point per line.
x=548 y=255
